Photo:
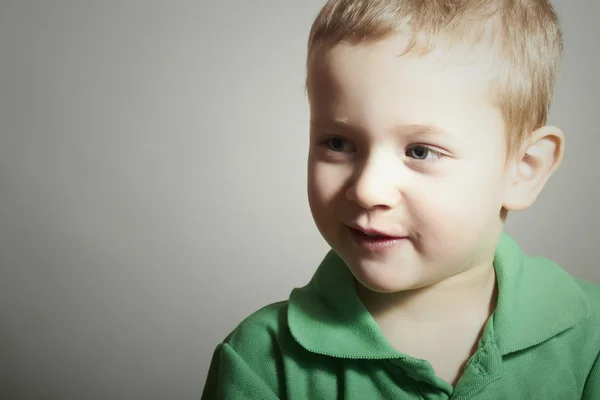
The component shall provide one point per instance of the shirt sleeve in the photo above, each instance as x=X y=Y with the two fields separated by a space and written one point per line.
x=230 y=378
x=591 y=391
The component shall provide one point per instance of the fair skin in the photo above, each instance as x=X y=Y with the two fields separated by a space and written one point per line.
x=407 y=145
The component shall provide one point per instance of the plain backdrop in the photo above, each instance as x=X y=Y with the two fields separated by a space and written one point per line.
x=153 y=184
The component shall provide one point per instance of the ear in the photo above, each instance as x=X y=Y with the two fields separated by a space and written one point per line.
x=538 y=160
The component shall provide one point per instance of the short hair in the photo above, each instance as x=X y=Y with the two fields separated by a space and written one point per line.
x=521 y=40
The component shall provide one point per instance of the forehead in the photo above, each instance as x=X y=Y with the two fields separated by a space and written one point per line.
x=370 y=86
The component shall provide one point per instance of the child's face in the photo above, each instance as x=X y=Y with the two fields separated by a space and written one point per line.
x=410 y=147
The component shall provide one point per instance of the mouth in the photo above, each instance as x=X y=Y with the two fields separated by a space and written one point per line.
x=376 y=233
x=375 y=241
x=373 y=234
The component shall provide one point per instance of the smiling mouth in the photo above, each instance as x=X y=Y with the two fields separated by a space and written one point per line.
x=375 y=243
x=374 y=236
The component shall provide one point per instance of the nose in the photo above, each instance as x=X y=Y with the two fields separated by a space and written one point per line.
x=376 y=185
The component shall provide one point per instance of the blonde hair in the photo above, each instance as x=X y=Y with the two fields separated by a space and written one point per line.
x=522 y=41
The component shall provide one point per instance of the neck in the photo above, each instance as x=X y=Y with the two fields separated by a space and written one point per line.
x=470 y=294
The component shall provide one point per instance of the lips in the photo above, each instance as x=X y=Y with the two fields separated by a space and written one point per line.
x=376 y=233
x=376 y=241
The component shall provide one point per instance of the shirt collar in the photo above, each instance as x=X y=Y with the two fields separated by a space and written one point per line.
x=536 y=301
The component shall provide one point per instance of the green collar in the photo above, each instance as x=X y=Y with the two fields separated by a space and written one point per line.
x=536 y=301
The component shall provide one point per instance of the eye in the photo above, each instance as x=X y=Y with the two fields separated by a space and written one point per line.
x=334 y=144
x=421 y=152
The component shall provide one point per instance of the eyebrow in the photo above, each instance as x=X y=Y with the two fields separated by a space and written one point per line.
x=411 y=130
x=424 y=130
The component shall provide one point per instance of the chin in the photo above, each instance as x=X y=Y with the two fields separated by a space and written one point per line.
x=383 y=281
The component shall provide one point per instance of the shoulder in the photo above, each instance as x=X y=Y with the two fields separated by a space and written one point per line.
x=260 y=328
x=250 y=359
x=563 y=301
x=263 y=340
x=592 y=335
x=587 y=333
x=591 y=294
x=591 y=290
x=247 y=361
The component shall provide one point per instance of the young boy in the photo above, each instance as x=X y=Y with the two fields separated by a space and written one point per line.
x=428 y=125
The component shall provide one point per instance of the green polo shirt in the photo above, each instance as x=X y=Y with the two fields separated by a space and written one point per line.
x=541 y=342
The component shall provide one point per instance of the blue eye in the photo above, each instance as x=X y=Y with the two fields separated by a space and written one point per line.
x=420 y=152
x=336 y=144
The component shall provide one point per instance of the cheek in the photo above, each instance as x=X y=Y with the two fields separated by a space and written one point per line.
x=321 y=192
x=315 y=201
x=324 y=184
x=457 y=208
x=314 y=186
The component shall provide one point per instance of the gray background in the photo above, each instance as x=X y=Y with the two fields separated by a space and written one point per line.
x=152 y=184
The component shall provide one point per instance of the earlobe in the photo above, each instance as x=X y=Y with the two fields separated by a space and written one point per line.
x=541 y=156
